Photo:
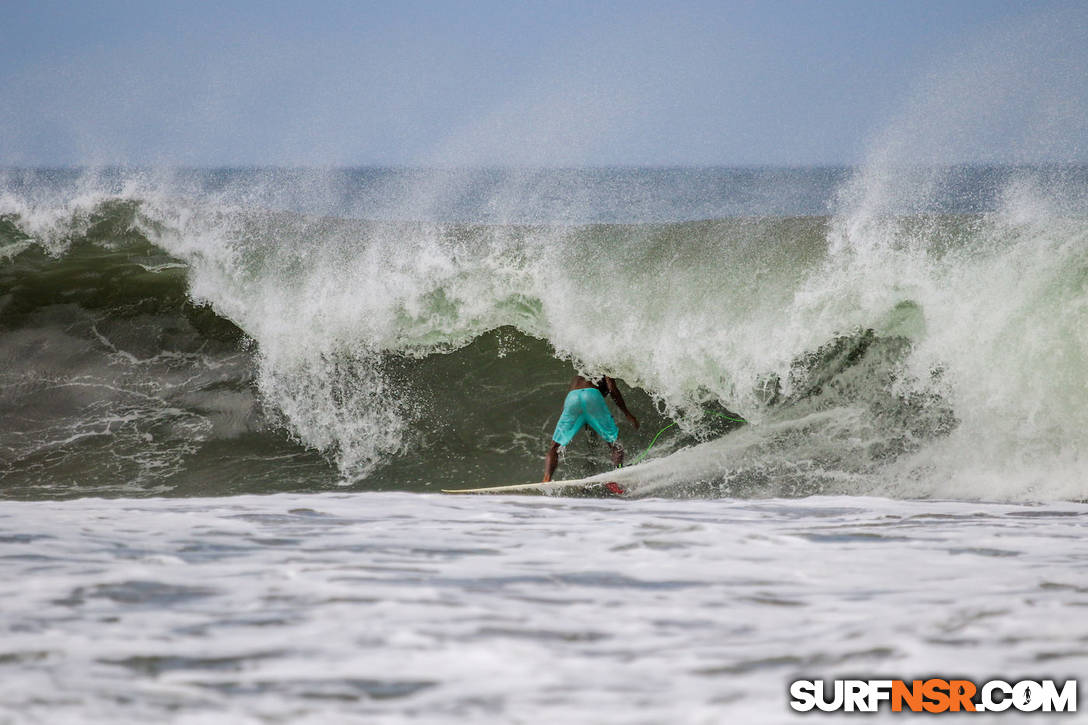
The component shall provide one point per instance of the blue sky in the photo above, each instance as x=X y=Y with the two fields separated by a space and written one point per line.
x=539 y=83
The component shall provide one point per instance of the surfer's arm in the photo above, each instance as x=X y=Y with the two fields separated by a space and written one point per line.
x=614 y=391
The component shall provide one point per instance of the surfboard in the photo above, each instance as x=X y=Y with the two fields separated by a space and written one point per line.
x=580 y=484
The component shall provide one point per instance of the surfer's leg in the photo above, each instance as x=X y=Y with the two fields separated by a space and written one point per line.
x=551 y=461
x=571 y=421
x=617 y=454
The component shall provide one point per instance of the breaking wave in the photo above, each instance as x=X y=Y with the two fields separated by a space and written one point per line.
x=223 y=331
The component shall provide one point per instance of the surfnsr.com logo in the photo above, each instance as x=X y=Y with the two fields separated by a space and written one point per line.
x=933 y=695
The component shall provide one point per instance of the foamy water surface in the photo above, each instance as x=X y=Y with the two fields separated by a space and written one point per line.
x=398 y=607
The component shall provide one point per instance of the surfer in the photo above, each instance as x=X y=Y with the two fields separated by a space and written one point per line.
x=585 y=406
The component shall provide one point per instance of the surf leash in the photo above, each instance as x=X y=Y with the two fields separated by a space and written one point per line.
x=670 y=425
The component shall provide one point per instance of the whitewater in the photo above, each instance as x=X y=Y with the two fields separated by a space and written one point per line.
x=404 y=607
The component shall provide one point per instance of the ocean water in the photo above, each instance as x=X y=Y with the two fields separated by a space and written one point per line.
x=229 y=398
x=406 y=607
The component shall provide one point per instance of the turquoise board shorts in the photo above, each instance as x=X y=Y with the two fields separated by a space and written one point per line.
x=585 y=406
